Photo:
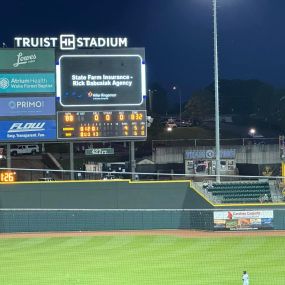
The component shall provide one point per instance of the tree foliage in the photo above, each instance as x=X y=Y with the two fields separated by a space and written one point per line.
x=241 y=98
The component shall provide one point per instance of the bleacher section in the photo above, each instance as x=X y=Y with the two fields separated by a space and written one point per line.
x=241 y=192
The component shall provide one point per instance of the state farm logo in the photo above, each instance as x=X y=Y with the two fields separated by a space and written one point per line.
x=24 y=59
x=26 y=127
x=4 y=83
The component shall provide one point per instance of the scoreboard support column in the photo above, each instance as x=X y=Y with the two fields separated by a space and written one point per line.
x=133 y=159
x=8 y=155
x=71 y=160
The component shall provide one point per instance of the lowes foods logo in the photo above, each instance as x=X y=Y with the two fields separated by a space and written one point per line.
x=27 y=127
x=24 y=59
x=4 y=83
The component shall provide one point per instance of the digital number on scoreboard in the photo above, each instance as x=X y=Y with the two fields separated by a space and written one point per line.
x=7 y=176
x=102 y=125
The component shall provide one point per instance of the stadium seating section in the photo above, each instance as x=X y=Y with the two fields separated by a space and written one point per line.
x=241 y=192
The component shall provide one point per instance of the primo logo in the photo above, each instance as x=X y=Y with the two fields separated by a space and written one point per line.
x=26 y=127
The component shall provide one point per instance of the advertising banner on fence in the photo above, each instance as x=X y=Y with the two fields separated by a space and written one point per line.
x=27 y=59
x=27 y=83
x=27 y=106
x=209 y=154
x=27 y=130
x=243 y=220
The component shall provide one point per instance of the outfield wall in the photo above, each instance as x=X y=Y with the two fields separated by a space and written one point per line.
x=112 y=205
x=53 y=220
x=101 y=195
x=101 y=220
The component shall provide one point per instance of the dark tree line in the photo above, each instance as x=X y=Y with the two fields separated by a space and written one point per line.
x=243 y=99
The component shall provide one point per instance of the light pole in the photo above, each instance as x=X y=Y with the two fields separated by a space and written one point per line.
x=180 y=108
x=217 y=114
x=150 y=100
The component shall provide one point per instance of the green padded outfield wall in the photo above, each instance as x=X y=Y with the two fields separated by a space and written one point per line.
x=63 y=206
x=101 y=220
x=101 y=195
x=52 y=201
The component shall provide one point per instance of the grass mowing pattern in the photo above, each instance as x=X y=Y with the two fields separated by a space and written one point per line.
x=166 y=260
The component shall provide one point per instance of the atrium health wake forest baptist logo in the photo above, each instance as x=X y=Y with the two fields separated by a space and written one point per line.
x=4 y=83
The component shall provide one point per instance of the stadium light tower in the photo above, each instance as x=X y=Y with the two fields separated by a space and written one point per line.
x=217 y=112
x=180 y=109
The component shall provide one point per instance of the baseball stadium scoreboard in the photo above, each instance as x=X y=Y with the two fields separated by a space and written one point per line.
x=56 y=93
x=103 y=124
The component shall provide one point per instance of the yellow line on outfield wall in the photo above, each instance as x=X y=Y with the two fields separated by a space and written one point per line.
x=202 y=195
x=98 y=181
x=250 y=204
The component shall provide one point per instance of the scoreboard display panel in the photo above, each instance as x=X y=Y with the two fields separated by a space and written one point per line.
x=102 y=125
x=101 y=80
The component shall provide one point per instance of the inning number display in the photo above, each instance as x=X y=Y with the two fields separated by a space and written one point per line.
x=102 y=125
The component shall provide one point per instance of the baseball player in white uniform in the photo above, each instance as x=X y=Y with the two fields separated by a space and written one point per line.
x=245 y=278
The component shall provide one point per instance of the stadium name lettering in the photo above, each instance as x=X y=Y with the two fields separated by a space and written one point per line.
x=69 y=42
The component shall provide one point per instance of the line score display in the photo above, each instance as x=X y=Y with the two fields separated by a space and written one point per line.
x=102 y=124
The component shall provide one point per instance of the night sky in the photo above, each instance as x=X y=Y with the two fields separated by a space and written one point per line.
x=177 y=34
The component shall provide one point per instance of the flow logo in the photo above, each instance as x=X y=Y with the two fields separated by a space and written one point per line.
x=27 y=127
x=4 y=83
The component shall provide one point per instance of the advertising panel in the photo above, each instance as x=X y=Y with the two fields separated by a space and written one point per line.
x=209 y=154
x=101 y=80
x=243 y=220
x=27 y=59
x=27 y=83
x=30 y=130
x=27 y=106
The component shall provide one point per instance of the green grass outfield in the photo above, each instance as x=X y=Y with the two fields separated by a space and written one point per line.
x=142 y=260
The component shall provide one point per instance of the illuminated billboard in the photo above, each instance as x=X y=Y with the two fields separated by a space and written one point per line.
x=27 y=59
x=27 y=106
x=27 y=83
x=101 y=80
x=27 y=130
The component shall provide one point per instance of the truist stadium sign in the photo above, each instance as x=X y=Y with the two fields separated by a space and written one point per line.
x=69 y=42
